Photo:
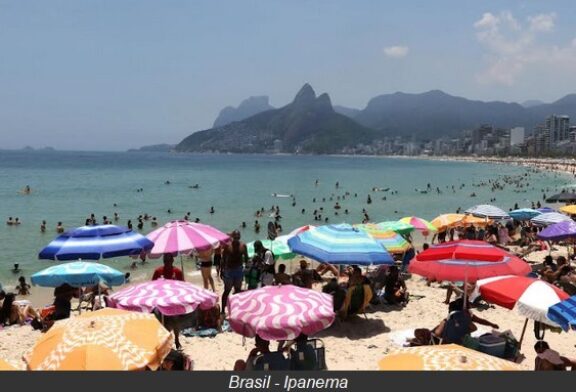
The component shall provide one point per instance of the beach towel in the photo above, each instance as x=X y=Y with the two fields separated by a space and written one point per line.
x=208 y=332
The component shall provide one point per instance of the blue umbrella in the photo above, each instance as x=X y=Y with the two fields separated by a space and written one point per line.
x=564 y=313
x=339 y=244
x=545 y=209
x=95 y=242
x=524 y=214
x=78 y=274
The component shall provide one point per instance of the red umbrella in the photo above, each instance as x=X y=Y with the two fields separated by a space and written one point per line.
x=466 y=261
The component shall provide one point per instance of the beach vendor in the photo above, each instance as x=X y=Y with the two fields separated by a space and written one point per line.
x=168 y=271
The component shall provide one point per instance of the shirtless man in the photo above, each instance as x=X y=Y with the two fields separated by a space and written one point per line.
x=234 y=257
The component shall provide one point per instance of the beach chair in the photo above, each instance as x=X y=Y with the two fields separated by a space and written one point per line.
x=274 y=360
x=310 y=357
x=357 y=299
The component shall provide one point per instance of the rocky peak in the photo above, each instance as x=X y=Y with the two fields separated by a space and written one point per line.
x=305 y=96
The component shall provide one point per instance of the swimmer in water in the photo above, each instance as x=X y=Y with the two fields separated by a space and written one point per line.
x=43 y=227
x=59 y=228
x=10 y=221
x=212 y=209
x=27 y=190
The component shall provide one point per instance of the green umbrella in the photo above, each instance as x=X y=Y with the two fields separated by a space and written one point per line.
x=279 y=247
x=396 y=226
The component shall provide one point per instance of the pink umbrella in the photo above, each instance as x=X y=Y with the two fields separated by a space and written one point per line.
x=183 y=237
x=169 y=297
x=280 y=312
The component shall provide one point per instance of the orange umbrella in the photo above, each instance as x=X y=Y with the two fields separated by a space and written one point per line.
x=445 y=221
x=5 y=366
x=475 y=221
x=107 y=339
x=443 y=357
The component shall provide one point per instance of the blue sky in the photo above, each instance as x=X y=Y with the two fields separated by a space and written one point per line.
x=114 y=74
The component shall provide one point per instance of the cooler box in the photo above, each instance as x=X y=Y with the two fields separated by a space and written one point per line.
x=492 y=345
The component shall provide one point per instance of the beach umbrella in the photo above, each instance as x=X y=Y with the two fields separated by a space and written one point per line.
x=279 y=246
x=523 y=214
x=78 y=274
x=106 y=339
x=562 y=197
x=549 y=218
x=487 y=211
x=530 y=297
x=466 y=260
x=96 y=242
x=471 y=220
x=390 y=240
x=443 y=357
x=559 y=231
x=545 y=209
x=339 y=244
x=169 y=297
x=445 y=221
x=280 y=312
x=419 y=224
x=396 y=226
x=570 y=210
x=564 y=313
x=5 y=366
x=183 y=237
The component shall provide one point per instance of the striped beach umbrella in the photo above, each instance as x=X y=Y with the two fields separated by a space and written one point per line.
x=280 y=312
x=523 y=214
x=549 y=218
x=487 y=211
x=396 y=226
x=392 y=242
x=339 y=244
x=279 y=246
x=106 y=339
x=564 y=313
x=169 y=297
x=183 y=237
x=530 y=297
x=419 y=224
x=96 y=242
x=78 y=274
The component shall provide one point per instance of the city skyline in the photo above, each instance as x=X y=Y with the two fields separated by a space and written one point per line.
x=111 y=76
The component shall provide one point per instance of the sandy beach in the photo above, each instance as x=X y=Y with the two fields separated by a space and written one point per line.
x=355 y=344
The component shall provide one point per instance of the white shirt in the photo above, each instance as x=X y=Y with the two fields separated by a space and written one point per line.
x=268 y=258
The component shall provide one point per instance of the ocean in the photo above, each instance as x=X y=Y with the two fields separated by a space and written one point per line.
x=69 y=186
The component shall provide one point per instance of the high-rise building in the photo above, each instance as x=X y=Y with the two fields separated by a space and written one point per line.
x=517 y=136
x=559 y=127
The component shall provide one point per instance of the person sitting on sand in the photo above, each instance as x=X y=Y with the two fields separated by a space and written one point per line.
x=63 y=301
x=282 y=278
x=209 y=319
x=23 y=288
x=168 y=271
x=12 y=314
x=337 y=292
x=262 y=347
x=175 y=361
x=395 y=291
x=548 y=359
x=305 y=277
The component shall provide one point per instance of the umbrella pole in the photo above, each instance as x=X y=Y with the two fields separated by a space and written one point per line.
x=522 y=335
x=182 y=265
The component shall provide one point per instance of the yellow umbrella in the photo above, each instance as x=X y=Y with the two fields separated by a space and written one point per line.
x=5 y=366
x=443 y=357
x=107 y=339
x=475 y=221
x=445 y=221
x=570 y=210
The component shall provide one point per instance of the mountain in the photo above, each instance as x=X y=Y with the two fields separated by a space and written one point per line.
x=307 y=124
x=434 y=114
x=247 y=108
x=563 y=106
x=531 y=103
x=348 y=112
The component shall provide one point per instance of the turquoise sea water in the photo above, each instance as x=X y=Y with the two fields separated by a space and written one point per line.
x=69 y=186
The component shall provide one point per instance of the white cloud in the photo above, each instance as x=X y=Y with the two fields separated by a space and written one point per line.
x=396 y=52
x=542 y=22
x=512 y=47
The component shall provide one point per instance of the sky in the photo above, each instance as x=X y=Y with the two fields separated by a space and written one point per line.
x=118 y=74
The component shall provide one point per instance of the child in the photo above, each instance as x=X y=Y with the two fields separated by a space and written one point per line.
x=23 y=288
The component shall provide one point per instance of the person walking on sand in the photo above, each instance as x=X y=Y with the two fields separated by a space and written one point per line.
x=234 y=257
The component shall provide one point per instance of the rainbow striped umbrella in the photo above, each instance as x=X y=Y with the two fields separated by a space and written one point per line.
x=419 y=224
x=339 y=244
x=392 y=241
x=183 y=237
x=396 y=226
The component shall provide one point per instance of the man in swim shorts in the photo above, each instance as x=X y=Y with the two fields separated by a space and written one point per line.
x=234 y=257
